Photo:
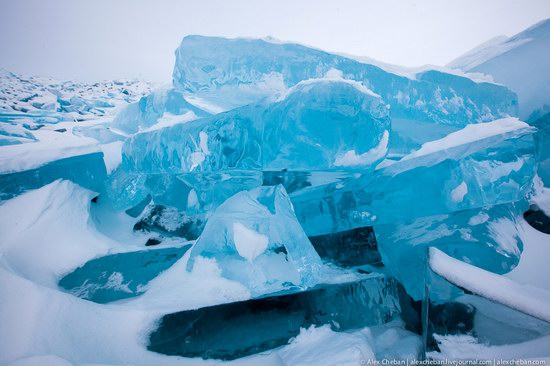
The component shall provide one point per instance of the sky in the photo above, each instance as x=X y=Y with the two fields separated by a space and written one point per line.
x=108 y=39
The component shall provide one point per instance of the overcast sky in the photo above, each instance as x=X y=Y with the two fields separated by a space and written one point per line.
x=106 y=39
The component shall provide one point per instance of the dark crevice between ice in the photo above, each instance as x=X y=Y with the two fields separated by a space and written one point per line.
x=538 y=219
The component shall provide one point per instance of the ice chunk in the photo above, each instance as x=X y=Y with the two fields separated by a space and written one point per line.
x=491 y=163
x=236 y=72
x=119 y=276
x=487 y=238
x=149 y=110
x=262 y=324
x=256 y=240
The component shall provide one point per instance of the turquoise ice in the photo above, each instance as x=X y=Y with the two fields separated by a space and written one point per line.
x=255 y=239
x=234 y=72
x=480 y=165
x=321 y=125
x=486 y=237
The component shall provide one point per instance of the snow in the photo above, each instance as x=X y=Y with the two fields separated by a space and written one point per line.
x=177 y=289
x=332 y=75
x=479 y=219
x=249 y=243
x=458 y=193
x=192 y=199
x=525 y=298
x=471 y=133
x=485 y=51
x=505 y=234
x=51 y=146
x=168 y=120
x=67 y=100
x=413 y=72
x=56 y=214
x=541 y=196
x=467 y=347
x=351 y=158
x=50 y=231
x=324 y=347
x=203 y=104
x=533 y=268
x=50 y=360
x=112 y=155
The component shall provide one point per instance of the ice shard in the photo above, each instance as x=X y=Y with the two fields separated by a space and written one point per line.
x=256 y=240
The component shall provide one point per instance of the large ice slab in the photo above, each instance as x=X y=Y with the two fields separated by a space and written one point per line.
x=483 y=164
x=487 y=238
x=262 y=324
x=256 y=240
x=235 y=72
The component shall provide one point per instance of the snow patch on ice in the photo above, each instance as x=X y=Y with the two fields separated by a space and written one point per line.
x=332 y=75
x=458 y=193
x=470 y=133
x=505 y=233
x=112 y=155
x=478 y=219
x=169 y=120
x=249 y=243
x=351 y=158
